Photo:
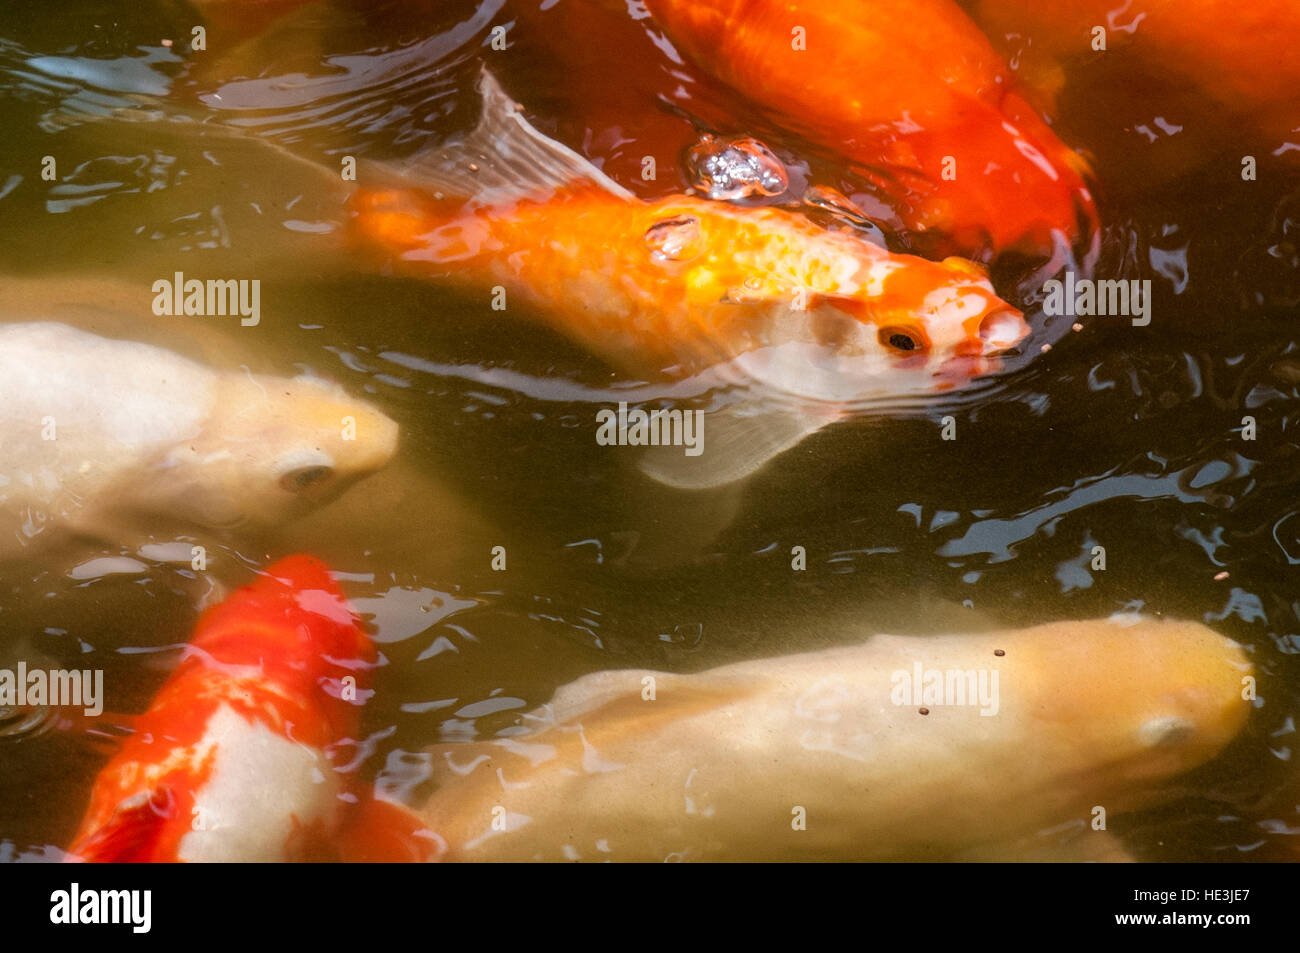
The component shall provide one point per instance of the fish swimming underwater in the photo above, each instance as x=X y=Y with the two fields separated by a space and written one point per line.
x=928 y=114
x=229 y=762
x=1239 y=55
x=97 y=432
x=847 y=753
x=825 y=321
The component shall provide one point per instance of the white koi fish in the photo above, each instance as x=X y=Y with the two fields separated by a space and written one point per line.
x=96 y=433
x=857 y=753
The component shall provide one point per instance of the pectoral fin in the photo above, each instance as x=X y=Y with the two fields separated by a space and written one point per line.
x=1085 y=847
x=382 y=832
x=734 y=445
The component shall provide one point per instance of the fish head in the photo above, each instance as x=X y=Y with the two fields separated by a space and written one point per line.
x=889 y=327
x=294 y=625
x=1135 y=701
x=272 y=449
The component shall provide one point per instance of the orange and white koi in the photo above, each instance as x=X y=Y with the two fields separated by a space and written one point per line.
x=230 y=761
x=825 y=319
x=915 y=96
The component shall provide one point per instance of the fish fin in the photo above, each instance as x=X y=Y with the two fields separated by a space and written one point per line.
x=502 y=158
x=1084 y=847
x=738 y=445
x=384 y=832
x=132 y=835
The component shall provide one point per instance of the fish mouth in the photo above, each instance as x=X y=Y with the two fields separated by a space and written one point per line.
x=956 y=370
x=1002 y=329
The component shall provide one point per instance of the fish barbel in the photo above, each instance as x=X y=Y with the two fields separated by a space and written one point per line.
x=97 y=432
x=673 y=286
x=648 y=766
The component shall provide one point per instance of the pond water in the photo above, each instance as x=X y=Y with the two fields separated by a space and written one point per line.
x=1126 y=437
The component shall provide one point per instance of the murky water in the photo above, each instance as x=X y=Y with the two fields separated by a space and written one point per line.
x=1126 y=437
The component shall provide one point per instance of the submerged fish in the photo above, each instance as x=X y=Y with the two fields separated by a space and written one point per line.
x=928 y=115
x=229 y=762
x=1240 y=55
x=850 y=753
x=825 y=320
x=96 y=433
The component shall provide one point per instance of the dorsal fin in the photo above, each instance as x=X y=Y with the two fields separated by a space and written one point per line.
x=503 y=158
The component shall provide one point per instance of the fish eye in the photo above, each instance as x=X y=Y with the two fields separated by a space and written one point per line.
x=900 y=339
x=295 y=481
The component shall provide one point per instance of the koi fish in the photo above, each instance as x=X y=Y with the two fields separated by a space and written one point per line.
x=928 y=116
x=823 y=320
x=229 y=763
x=96 y=432
x=877 y=750
x=1236 y=54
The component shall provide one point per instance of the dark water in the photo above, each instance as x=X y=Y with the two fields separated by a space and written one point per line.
x=1121 y=436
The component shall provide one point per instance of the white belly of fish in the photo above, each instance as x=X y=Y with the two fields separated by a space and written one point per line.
x=263 y=787
x=82 y=415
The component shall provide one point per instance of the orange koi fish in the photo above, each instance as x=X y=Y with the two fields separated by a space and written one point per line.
x=824 y=319
x=1239 y=55
x=229 y=763
x=915 y=96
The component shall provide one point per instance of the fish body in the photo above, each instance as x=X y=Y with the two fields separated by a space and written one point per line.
x=724 y=764
x=95 y=432
x=929 y=114
x=1240 y=55
x=229 y=763
x=687 y=282
x=824 y=319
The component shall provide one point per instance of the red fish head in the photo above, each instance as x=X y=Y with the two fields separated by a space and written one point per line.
x=1005 y=182
x=296 y=627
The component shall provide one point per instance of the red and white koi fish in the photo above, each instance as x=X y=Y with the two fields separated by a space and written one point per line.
x=230 y=762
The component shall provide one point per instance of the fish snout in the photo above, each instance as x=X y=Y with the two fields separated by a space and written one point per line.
x=1164 y=731
x=379 y=445
x=1002 y=329
x=997 y=332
